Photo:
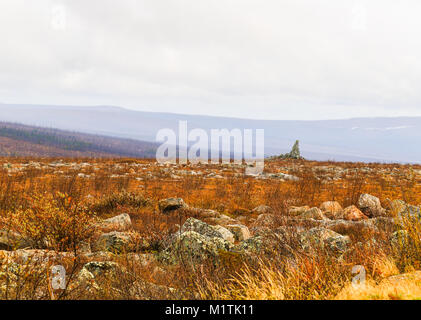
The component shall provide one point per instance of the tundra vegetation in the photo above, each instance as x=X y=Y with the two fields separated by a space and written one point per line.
x=136 y=229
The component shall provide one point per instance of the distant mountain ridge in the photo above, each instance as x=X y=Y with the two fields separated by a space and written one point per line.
x=357 y=139
x=24 y=140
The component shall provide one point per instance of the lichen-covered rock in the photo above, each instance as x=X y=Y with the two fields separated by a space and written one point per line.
x=239 y=231
x=120 y=242
x=225 y=233
x=253 y=244
x=313 y=213
x=324 y=238
x=297 y=211
x=268 y=242
x=331 y=209
x=207 y=230
x=192 y=247
x=84 y=281
x=171 y=204
x=353 y=213
x=101 y=268
x=370 y=206
x=121 y=222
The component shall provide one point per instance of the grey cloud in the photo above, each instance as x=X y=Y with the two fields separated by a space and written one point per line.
x=285 y=59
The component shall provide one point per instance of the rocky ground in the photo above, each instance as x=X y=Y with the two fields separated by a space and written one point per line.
x=194 y=251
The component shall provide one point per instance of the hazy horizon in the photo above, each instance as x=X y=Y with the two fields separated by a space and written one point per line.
x=201 y=114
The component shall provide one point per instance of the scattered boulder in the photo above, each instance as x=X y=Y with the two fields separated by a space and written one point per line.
x=121 y=222
x=324 y=238
x=331 y=209
x=171 y=204
x=207 y=230
x=313 y=213
x=267 y=241
x=352 y=213
x=197 y=241
x=192 y=247
x=239 y=231
x=225 y=233
x=120 y=242
x=297 y=211
x=101 y=268
x=370 y=206
x=253 y=244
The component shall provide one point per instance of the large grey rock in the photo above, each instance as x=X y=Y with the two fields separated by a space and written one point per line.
x=324 y=238
x=121 y=222
x=370 y=206
x=239 y=231
x=120 y=242
x=196 y=242
x=313 y=213
x=225 y=233
x=331 y=209
x=192 y=224
x=297 y=211
x=353 y=213
x=191 y=247
x=101 y=268
x=171 y=204
x=267 y=241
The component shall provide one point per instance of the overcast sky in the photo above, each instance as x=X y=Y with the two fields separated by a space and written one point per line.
x=271 y=59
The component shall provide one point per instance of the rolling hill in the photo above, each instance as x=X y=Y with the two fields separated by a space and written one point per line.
x=358 y=139
x=31 y=141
